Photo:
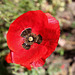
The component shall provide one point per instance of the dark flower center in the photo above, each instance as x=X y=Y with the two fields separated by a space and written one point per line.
x=30 y=38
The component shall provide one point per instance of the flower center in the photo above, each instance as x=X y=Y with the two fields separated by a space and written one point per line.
x=30 y=38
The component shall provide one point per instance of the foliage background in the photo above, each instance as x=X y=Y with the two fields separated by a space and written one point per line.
x=64 y=11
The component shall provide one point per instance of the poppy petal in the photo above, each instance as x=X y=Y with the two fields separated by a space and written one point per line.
x=38 y=63
x=25 y=57
x=8 y=58
x=52 y=35
x=28 y=66
x=36 y=20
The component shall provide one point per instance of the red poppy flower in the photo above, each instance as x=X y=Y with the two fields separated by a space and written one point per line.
x=31 y=38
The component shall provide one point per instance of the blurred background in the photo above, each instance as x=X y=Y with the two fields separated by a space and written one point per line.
x=62 y=60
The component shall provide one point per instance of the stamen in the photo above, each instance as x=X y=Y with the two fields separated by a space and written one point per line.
x=39 y=39
x=24 y=45
x=30 y=38
x=26 y=32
